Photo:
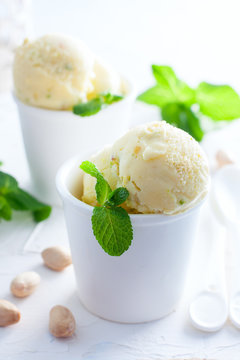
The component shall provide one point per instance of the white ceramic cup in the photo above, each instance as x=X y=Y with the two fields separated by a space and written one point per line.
x=147 y=281
x=51 y=137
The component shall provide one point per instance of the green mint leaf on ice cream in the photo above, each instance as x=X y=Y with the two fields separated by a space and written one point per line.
x=111 y=223
x=102 y=187
x=89 y=108
x=109 y=98
x=112 y=229
x=93 y=106
x=118 y=196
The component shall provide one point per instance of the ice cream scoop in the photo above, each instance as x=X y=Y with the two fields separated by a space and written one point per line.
x=51 y=75
x=53 y=72
x=164 y=169
x=57 y=72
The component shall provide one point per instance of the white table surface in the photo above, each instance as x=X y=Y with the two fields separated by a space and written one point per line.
x=21 y=242
x=200 y=40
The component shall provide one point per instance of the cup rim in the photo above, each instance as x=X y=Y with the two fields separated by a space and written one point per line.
x=138 y=219
x=130 y=95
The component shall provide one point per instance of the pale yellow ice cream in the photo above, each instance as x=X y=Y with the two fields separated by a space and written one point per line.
x=164 y=169
x=58 y=72
x=53 y=72
x=105 y=79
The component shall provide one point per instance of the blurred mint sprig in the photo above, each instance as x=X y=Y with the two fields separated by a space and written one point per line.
x=176 y=99
x=12 y=197
x=93 y=106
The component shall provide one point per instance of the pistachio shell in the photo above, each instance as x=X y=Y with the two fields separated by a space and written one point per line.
x=56 y=257
x=61 y=322
x=24 y=284
x=9 y=313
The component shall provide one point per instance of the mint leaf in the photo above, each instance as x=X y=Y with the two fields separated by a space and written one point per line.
x=175 y=98
x=42 y=214
x=181 y=116
x=89 y=168
x=5 y=209
x=89 y=108
x=168 y=89
x=113 y=229
x=220 y=102
x=12 y=197
x=111 y=224
x=21 y=200
x=118 y=196
x=1 y=163
x=7 y=183
x=109 y=98
x=95 y=105
x=157 y=95
x=2 y=202
x=165 y=76
x=102 y=187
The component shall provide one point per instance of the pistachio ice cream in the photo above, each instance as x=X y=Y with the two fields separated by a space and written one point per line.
x=57 y=72
x=164 y=169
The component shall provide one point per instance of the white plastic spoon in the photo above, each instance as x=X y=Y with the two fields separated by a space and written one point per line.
x=226 y=201
x=209 y=311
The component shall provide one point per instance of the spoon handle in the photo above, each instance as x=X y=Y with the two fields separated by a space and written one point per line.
x=234 y=308
x=234 y=233
x=216 y=274
x=209 y=309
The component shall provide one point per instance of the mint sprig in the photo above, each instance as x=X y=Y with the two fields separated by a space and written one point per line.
x=169 y=89
x=219 y=102
x=93 y=106
x=175 y=99
x=102 y=187
x=118 y=196
x=181 y=116
x=111 y=223
x=12 y=197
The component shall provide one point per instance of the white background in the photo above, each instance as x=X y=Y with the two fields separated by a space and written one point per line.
x=199 y=38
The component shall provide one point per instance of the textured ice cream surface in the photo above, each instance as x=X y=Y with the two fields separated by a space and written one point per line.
x=57 y=72
x=164 y=169
x=105 y=80
x=53 y=72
